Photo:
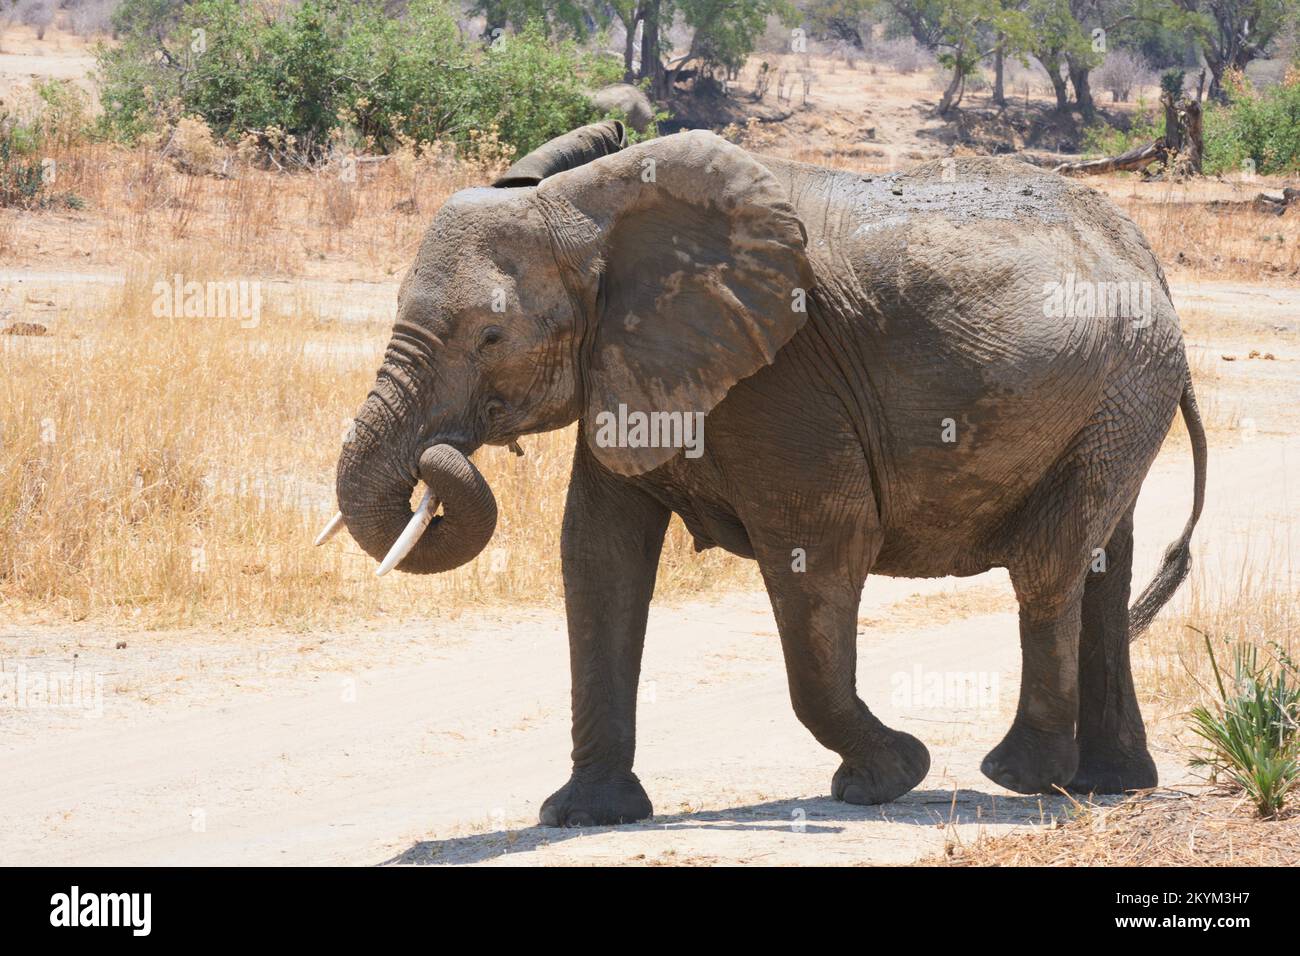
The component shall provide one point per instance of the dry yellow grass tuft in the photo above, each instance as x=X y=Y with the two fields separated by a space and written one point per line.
x=1162 y=828
x=1170 y=665
x=357 y=218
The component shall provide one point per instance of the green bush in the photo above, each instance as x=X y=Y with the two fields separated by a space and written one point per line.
x=1252 y=733
x=1256 y=130
x=334 y=68
x=526 y=86
x=1103 y=140
x=1260 y=126
x=27 y=142
x=22 y=181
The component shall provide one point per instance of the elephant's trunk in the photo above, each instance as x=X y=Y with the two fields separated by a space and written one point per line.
x=374 y=492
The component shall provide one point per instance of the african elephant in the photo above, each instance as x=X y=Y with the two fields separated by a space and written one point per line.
x=629 y=100
x=897 y=374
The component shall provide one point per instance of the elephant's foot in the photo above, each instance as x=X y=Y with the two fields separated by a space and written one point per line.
x=895 y=767
x=1032 y=761
x=587 y=801
x=1111 y=771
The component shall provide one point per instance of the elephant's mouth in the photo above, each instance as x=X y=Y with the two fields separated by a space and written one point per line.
x=377 y=512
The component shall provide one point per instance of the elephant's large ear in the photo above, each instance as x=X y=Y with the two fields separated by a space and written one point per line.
x=692 y=262
x=575 y=148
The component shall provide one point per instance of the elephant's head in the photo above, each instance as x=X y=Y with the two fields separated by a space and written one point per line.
x=653 y=277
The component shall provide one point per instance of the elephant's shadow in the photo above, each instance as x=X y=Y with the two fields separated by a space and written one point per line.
x=815 y=815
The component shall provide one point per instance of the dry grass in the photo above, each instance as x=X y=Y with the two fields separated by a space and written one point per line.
x=173 y=472
x=1173 y=674
x=1198 y=240
x=1162 y=828
x=357 y=219
x=1217 y=827
x=1170 y=666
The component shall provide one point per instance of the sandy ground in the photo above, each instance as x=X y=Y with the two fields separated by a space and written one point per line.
x=435 y=741
x=26 y=61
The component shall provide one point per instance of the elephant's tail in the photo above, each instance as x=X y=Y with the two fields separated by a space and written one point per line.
x=1178 y=556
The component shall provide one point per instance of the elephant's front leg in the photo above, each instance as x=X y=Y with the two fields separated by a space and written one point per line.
x=815 y=594
x=613 y=533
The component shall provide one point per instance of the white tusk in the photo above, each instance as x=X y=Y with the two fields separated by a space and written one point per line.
x=406 y=540
x=331 y=529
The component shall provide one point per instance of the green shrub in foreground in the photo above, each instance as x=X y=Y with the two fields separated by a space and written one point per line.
x=1252 y=734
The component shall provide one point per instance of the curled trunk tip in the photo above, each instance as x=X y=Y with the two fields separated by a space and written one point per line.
x=375 y=503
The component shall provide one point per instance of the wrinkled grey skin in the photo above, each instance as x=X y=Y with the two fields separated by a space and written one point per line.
x=826 y=451
x=628 y=99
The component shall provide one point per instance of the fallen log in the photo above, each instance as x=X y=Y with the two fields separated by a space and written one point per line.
x=1277 y=205
x=1140 y=157
x=1179 y=150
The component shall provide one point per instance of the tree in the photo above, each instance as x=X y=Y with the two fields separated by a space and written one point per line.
x=725 y=31
x=962 y=33
x=967 y=28
x=1232 y=33
x=39 y=16
x=1099 y=21
x=574 y=18
x=151 y=18
x=999 y=57
x=1054 y=35
x=923 y=18
x=837 y=19
x=630 y=13
x=652 y=67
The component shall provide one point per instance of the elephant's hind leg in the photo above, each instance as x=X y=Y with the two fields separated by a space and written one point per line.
x=1076 y=509
x=816 y=609
x=1113 y=755
x=1039 y=754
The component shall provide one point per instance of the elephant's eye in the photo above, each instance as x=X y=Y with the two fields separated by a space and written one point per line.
x=490 y=336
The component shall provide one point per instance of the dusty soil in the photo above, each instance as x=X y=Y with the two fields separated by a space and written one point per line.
x=870 y=111
x=25 y=60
